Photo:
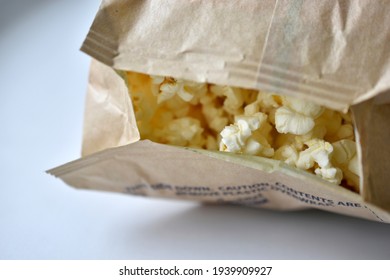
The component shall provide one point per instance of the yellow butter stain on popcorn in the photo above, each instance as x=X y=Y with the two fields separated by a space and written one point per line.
x=302 y=134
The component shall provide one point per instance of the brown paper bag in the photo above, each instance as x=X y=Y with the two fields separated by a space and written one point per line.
x=322 y=51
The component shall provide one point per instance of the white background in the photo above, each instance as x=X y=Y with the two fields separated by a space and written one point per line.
x=43 y=77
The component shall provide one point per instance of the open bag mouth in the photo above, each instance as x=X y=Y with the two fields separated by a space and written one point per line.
x=229 y=119
x=280 y=101
x=116 y=159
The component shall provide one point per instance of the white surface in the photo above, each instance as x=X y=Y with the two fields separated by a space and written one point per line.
x=43 y=77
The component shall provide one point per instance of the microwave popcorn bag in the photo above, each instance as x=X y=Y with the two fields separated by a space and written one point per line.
x=314 y=56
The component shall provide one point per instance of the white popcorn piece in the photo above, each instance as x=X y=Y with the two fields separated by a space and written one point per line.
x=269 y=100
x=254 y=108
x=352 y=173
x=287 y=154
x=252 y=147
x=184 y=132
x=330 y=174
x=186 y=90
x=271 y=116
x=234 y=99
x=157 y=80
x=244 y=130
x=344 y=151
x=256 y=148
x=168 y=90
x=318 y=151
x=321 y=152
x=305 y=160
x=296 y=116
x=303 y=107
x=346 y=158
x=196 y=89
x=265 y=102
x=251 y=108
x=254 y=121
x=289 y=121
x=265 y=148
x=233 y=139
x=243 y=136
x=234 y=136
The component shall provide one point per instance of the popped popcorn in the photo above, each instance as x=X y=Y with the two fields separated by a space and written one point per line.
x=301 y=134
x=184 y=131
x=241 y=137
x=234 y=99
x=215 y=116
x=289 y=121
x=318 y=151
x=345 y=150
x=331 y=174
x=296 y=116
x=346 y=158
x=170 y=87
x=287 y=154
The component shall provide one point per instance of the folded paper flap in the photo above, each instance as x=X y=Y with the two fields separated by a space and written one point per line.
x=332 y=52
x=372 y=121
x=186 y=174
x=109 y=119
